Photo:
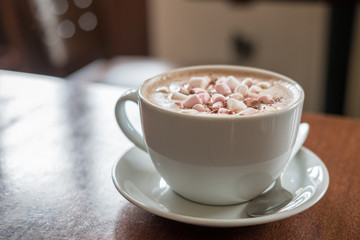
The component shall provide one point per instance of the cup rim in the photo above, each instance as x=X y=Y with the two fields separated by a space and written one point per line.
x=224 y=116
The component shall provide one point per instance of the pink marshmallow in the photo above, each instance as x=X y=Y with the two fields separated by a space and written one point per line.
x=204 y=97
x=253 y=95
x=218 y=98
x=248 y=81
x=267 y=99
x=201 y=108
x=223 y=89
x=191 y=101
x=217 y=105
x=248 y=101
x=199 y=90
x=180 y=104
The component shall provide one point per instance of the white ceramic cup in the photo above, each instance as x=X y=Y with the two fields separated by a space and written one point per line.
x=214 y=160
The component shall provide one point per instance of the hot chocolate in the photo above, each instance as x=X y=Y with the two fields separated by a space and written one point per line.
x=216 y=134
x=221 y=92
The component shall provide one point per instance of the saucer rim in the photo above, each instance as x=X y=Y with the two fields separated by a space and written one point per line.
x=212 y=222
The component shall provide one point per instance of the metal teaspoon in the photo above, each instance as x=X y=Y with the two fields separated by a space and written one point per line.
x=276 y=198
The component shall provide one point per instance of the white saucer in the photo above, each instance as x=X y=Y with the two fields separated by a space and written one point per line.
x=136 y=179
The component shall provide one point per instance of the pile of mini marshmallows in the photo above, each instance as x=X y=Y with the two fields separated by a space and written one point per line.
x=224 y=95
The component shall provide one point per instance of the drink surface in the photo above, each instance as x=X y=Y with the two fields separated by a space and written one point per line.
x=220 y=92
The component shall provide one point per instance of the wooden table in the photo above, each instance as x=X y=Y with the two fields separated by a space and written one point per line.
x=59 y=141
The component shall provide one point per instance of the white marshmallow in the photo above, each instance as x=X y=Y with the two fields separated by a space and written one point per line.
x=163 y=89
x=189 y=111
x=201 y=108
x=242 y=88
x=248 y=81
x=199 y=90
x=223 y=111
x=178 y=96
x=235 y=105
x=221 y=80
x=210 y=88
x=237 y=96
x=255 y=89
x=264 y=85
x=217 y=105
x=199 y=82
x=267 y=99
x=232 y=82
x=218 y=98
x=184 y=91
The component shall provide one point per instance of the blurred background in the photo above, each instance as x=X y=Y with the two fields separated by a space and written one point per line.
x=122 y=42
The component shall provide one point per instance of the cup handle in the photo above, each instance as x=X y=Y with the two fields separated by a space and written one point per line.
x=122 y=119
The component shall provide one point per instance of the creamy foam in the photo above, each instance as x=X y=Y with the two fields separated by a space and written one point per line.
x=250 y=92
